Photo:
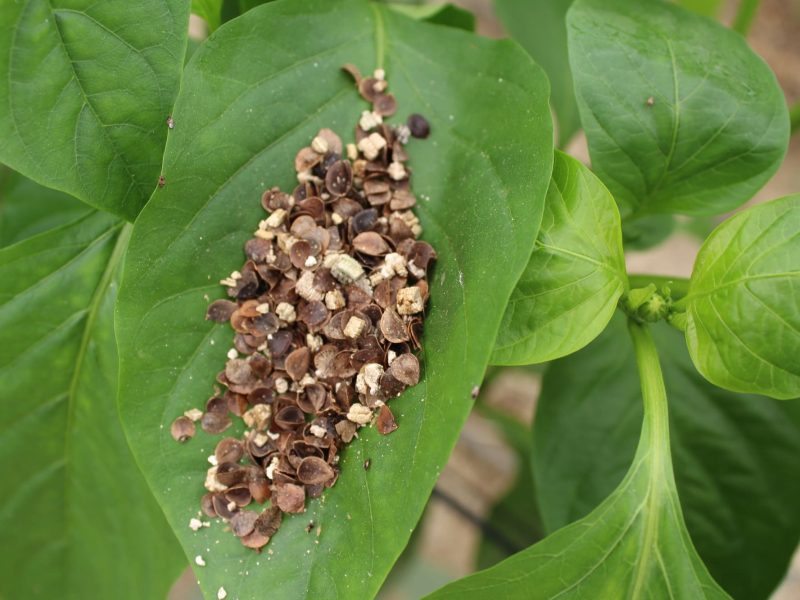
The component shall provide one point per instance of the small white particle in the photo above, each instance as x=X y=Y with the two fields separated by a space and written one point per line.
x=233 y=354
x=198 y=560
x=221 y=594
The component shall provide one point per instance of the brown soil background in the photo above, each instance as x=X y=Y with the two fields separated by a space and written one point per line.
x=483 y=467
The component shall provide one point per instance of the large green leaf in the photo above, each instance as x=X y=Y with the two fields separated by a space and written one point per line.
x=569 y=290
x=680 y=115
x=85 y=91
x=737 y=457
x=78 y=520
x=709 y=8
x=483 y=177
x=27 y=208
x=634 y=545
x=539 y=26
x=743 y=307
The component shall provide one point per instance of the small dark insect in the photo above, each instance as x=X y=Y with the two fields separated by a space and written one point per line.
x=367 y=463
x=310 y=526
x=170 y=122
x=162 y=181
x=476 y=390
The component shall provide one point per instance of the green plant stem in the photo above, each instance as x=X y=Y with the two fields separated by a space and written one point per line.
x=745 y=15
x=679 y=286
x=655 y=430
x=794 y=117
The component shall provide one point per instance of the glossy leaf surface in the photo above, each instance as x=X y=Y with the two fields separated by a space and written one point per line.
x=85 y=93
x=569 y=290
x=680 y=115
x=239 y=125
x=743 y=307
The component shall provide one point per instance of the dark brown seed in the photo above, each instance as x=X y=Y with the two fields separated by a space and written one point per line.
x=313 y=314
x=297 y=363
x=366 y=88
x=182 y=429
x=240 y=494
x=393 y=327
x=229 y=450
x=260 y=490
x=370 y=243
x=289 y=417
x=264 y=528
x=230 y=473
x=364 y=221
x=220 y=311
x=317 y=395
x=419 y=126
x=406 y=369
x=207 y=505
x=224 y=507
x=299 y=253
x=386 y=423
x=215 y=422
x=339 y=178
x=280 y=343
x=391 y=387
x=305 y=159
x=243 y=522
x=274 y=198
x=313 y=470
x=402 y=200
x=384 y=104
x=290 y=498
x=260 y=396
x=310 y=526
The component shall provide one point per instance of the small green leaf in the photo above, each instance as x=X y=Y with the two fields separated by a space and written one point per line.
x=681 y=116
x=743 y=305
x=539 y=26
x=633 y=545
x=438 y=14
x=736 y=456
x=480 y=177
x=79 y=520
x=569 y=290
x=27 y=208
x=209 y=11
x=85 y=93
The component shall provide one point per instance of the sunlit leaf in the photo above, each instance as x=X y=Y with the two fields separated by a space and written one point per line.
x=743 y=307
x=569 y=290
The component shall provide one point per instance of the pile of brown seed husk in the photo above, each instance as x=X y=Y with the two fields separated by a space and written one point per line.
x=328 y=310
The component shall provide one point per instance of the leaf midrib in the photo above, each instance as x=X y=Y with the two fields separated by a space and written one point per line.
x=93 y=310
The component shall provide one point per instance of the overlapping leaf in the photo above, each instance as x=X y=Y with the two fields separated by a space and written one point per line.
x=736 y=457
x=85 y=91
x=540 y=27
x=633 y=545
x=569 y=290
x=253 y=95
x=743 y=307
x=680 y=115
x=77 y=519
x=27 y=208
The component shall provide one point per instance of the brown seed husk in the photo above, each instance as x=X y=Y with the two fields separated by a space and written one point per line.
x=289 y=497
x=386 y=423
x=182 y=429
x=313 y=470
